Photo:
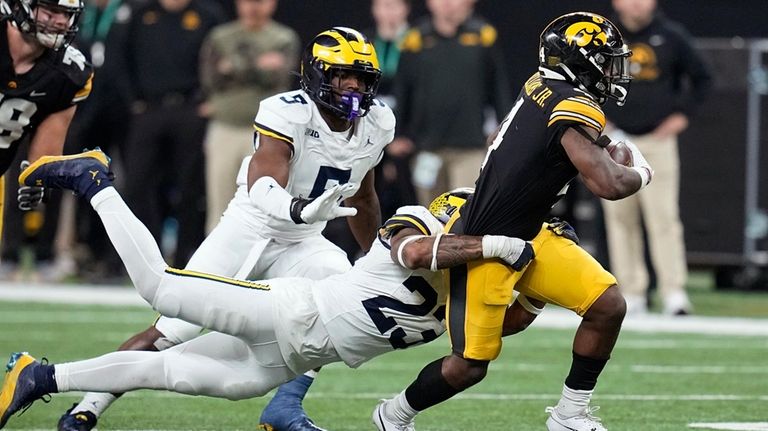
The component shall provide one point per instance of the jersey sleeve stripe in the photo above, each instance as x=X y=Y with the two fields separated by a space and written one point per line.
x=85 y=91
x=408 y=221
x=220 y=279
x=581 y=109
x=264 y=130
x=577 y=118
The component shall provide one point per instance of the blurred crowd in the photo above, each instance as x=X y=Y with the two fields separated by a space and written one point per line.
x=178 y=82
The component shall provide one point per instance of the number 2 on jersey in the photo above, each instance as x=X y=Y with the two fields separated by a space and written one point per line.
x=375 y=307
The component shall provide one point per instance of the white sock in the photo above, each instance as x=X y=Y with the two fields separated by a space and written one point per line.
x=115 y=372
x=573 y=402
x=311 y=374
x=132 y=240
x=399 y=409
x=94 y=402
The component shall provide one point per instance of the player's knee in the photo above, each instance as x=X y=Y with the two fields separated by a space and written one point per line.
x=462 y=373
x=609 y=308
x=145 y=340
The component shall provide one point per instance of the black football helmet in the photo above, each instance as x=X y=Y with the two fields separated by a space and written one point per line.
x=589 y=51
x=334 y=50
x=25 y=16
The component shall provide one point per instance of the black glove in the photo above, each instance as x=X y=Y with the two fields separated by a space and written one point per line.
x=562 y=228
x=30 y=197
x=525 y=258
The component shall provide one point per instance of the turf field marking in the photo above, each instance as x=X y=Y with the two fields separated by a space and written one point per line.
x=481 y=396
x=552 y=317
x=734 y=426
x=698 y=369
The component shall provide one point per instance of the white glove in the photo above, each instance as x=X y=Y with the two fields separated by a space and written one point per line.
x=5 y=8
x=639 y=164
x=324 y=207
x=514 y=251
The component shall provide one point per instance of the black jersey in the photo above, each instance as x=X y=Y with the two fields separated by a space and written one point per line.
x=58 y=80
x=527 y=170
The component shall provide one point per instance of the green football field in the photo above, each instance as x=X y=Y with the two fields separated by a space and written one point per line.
x=655 y=381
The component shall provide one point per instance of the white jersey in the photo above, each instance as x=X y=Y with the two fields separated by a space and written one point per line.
x=378 y=305
x=321 y=158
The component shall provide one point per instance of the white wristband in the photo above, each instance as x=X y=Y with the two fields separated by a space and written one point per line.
x=433 y=266
x=400 y=248
x=645 y=175
x=271 y=198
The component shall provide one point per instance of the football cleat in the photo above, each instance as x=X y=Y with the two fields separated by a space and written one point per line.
x=301 y=423
x=20 y=388
x=85 y=173
x=582 y=422
x=80 y=421
x=384 y=423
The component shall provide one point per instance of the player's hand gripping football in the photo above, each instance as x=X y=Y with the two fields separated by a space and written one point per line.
x=513 y=251
x=29 y=197
x=323 y=208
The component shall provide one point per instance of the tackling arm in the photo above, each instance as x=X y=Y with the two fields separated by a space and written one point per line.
x=413 y=250
x=368 y=218
x=601 y=174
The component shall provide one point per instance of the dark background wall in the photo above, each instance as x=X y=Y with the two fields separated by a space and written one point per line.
x=519 y=22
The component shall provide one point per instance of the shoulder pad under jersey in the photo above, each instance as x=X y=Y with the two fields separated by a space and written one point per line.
x=381 y=115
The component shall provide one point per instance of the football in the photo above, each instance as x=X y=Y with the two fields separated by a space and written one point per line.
x=620 y=153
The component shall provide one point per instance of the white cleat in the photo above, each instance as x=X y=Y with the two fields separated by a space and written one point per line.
x=582 y=422
x=384 y=423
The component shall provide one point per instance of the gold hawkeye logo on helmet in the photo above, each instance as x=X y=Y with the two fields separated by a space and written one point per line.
x=585 y=33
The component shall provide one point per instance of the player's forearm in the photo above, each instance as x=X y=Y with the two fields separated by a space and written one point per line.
x=365 y=224
x=452 y=250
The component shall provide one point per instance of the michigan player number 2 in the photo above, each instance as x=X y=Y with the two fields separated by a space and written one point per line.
x=15 y=114
x=398 y=338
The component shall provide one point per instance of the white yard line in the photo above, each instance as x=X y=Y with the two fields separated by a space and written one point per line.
x=733 y=426
x=483 y=396
x=552 y=317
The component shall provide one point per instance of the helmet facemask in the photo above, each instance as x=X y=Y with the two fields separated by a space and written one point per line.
x=588 y=51
x=347 y=104
x=33 y=18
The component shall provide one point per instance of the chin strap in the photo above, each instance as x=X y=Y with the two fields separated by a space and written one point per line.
x=601 y=141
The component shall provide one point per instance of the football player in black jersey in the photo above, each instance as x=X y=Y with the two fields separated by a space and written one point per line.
x=42 y=79
x=551 y=135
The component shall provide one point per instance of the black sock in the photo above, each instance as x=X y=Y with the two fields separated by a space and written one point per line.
x=584 y=372
x=429 y=388
x=45 y=380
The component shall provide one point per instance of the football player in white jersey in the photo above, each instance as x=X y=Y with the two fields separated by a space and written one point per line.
x=313 y=147
x=266 y=332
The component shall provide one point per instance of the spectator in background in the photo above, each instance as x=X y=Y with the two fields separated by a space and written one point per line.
x=393 y=175
x=241 y=63
x=158 y=45
x=670 y=78
x=100 y=121
x=450 y=70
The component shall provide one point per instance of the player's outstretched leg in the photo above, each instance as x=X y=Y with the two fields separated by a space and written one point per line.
x=26 y=380
x=285 y=412
x=86 y=173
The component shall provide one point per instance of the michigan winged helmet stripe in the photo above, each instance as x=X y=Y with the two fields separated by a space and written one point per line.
x=580 y=110
x=227 y=280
